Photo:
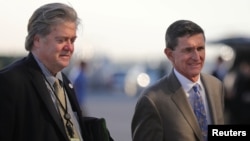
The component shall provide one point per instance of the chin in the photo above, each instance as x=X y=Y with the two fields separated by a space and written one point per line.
x=64 y=64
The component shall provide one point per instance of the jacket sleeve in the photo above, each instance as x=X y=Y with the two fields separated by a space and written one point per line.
x=146 y=122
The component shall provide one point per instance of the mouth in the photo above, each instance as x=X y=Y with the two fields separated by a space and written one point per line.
x=65 y=56
x=196 y=65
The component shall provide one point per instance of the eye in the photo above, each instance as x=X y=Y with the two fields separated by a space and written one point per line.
x=60 y=40
x=200 y=48
x=187 y=50
x=72 y=40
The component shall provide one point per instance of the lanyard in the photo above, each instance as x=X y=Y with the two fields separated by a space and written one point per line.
x=66 y=116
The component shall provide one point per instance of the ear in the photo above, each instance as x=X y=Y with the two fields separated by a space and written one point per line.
x=36 y=40
x=169 y=53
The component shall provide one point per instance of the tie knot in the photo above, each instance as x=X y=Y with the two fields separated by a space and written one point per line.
x=196 y=88
x=57 y=84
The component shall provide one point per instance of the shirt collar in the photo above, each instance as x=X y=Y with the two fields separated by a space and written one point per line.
x=46 y=72
x=186 y=84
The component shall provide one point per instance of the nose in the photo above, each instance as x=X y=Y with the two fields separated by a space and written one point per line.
x=69 y=46
x=195 y=54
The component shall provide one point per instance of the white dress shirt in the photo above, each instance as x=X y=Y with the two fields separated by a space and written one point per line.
x=187 y=86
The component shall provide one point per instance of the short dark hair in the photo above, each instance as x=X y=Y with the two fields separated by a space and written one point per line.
x=181 y=28
x=46 y=16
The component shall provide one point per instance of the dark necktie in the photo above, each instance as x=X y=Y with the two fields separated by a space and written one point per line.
x=199 y=110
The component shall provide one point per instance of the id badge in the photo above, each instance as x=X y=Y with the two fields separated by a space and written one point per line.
x=74 y=139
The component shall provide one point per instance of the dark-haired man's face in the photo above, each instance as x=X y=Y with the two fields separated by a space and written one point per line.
x=189 y=56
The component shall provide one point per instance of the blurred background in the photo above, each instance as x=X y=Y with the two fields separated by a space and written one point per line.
x=119 y=50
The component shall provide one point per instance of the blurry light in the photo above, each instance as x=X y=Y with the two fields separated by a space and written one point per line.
x=227 y=53
x=143 y=79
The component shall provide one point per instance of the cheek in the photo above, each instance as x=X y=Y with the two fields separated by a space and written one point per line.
x=203 y=56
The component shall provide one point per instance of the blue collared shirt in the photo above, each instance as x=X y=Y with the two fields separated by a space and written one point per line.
x=50 y=80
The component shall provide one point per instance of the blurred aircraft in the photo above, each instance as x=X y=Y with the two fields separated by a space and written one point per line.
x=241 y=47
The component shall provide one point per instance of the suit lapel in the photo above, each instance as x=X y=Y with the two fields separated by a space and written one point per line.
x=185 y=108
x=71 y=95
x=180 y=99
x=75 y=106
x=211 y=98
x=38 y=81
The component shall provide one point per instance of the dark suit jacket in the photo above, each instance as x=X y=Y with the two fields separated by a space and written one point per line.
x=163 y=112
x=27 y=110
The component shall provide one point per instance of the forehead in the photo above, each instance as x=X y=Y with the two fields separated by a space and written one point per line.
x=191 y=40
x=64 y=28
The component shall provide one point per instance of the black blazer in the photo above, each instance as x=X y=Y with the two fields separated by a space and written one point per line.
x=27 y=110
